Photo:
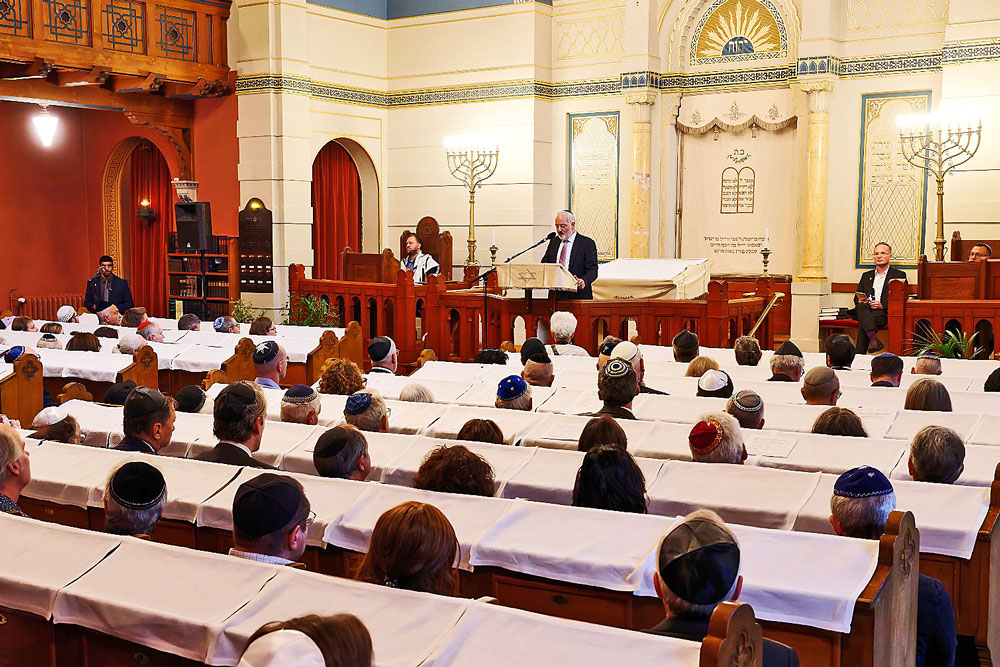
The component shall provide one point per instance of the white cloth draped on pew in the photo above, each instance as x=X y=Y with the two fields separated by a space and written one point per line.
x=513 y=423
x=506 y=461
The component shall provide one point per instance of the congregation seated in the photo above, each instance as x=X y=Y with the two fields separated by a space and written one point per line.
x=240 y=413
x=937 y=454
x=821 y=386
x=887 y=370
x=226 y=324
x=563 y=327
x=927 y=394
x=384 y=356
x=340 y=376
x=481 y=430
x=489 y=356
x=83 y=341
x=13 y=354
x=150 y=332
x=603 y=430
x=685 y=346
x=128 y=344
x=927 y=363
x=134 y=498
x=271 y=519
x=715 y=384
x=992 y=382
x=51 y=328
x=48 y=342
x=630 y=352
x=118 y=392
x=270 y=364
x=310 y=641
x=367 y=411
x=861 y=503
x=342 y=452
x=106 y=332
x=23 y=323
x=300 y=404
x=717 y=439
x=697 y=567
x=747 y=351
x=55 y=425
x=699 y=365
x=413 y=547
x=414 y=392
x=538 y=371
x=748 y=409
x=67 y=314
x=513 y=393
x=617 y=387
x=605 y=351
x=455 y=469
x=839 y=421
x=15 y=470
x=610 y=479
x=840 y=352
x=263 y=326
x=134 y=316
x=193 y=399
x=787 y=363
x=148 y=419
x=108 y=314
x=189 y=322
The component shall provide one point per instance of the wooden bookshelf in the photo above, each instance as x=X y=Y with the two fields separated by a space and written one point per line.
x=203 y=282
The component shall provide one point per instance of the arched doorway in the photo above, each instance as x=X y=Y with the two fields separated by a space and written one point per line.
x=336 y=202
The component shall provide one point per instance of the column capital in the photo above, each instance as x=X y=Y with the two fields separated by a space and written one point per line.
x=817 y=92
x=642 y=102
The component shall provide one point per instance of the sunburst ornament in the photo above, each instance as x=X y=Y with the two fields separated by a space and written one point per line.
x=737 y=28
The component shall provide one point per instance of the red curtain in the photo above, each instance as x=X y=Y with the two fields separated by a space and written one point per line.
x=148 y=241
x=336 y=200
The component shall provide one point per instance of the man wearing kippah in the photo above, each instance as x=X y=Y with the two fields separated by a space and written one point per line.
x=747 y=407
x=862 y=500
x=270 y=363
x=697 y=567
x=67 y=314
x=300 y=405
x=271 y=520
x=821 y=386
x=105 y=289
x=887 y=370
x=787 y=363
x=385 y=358
x=630 y=352
x=513 y=393
x=147 y=421
x=342 y=452
x=685 y=346
x=226 y=325
x=617 y=387
x=240 y=412
x=539 y=371
x=367 y=411
x=134 y=499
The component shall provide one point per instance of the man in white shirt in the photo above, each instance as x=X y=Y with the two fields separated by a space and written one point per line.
x=871 y=299
x=271 y=518
x=422 y=265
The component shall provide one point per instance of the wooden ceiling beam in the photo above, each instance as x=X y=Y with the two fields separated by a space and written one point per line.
x=135 y=84
x=95 y=77
x=36 y=69
x=202 y=88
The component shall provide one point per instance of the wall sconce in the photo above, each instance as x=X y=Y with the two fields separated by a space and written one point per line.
x=45 y=125
x=146 y=211
x=255 y=204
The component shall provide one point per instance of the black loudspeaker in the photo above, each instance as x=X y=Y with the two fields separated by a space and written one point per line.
x=194 y=225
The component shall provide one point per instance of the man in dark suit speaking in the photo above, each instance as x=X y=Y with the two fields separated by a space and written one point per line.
x=871 y=298
x=105 y=289
x=576 y=252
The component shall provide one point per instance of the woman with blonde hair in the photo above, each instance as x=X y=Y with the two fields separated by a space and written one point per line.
x=699 y=365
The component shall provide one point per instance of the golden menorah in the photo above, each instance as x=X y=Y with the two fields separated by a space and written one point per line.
x=938 y=146
x=472 y=165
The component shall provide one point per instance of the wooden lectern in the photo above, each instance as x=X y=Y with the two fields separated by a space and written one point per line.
x=529 y=276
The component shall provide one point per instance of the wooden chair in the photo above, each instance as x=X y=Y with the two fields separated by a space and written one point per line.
x=434 y=242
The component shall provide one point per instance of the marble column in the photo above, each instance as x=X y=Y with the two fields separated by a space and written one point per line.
x=814 y=231
x=642 y=109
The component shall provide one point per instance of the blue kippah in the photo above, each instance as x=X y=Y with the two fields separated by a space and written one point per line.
x=886 y=355
x=219 y=322
x=511 y=387
x=299 y=393
x=13 y=353
x=862 y=482
x=358 y=403
x=265 y=352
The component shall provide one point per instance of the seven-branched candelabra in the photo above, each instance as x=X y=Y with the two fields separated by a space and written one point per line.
x=472 y=166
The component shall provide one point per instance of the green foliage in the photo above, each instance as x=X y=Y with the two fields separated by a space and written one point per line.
x=244 y=311
x=947 y=345
x=311 y=311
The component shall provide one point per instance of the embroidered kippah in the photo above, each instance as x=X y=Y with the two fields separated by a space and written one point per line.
x=137 y=486
x=219 y=323
x=705 y=436
x=862 y=482
x=265 y=352
x=357 y=403
x=13 y=353
x=616 y=368
x=300 y=393
x=511 y=387
x=748 y=401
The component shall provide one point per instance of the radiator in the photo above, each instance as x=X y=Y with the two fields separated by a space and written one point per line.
x=45 y=307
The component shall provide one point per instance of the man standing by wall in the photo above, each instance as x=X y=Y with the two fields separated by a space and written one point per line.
x=105 y=288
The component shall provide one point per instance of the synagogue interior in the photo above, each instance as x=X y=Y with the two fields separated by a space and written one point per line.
x=455 y=332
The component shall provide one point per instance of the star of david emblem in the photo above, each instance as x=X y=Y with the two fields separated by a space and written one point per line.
x=262 y=347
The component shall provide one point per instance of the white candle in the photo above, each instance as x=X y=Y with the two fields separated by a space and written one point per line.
x=767 y=234
x=494 y=237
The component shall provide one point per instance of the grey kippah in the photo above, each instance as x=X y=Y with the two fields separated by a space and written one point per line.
x=748 y=401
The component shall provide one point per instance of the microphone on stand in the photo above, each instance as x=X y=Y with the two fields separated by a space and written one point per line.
x=548 y=237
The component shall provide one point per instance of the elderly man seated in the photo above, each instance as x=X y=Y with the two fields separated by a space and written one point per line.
x=887 y=370
x=151 y=332
x=937 y=454
x=129 y=343
x=301 y=405
x=927 y=363
x=513 y=393
x=240 y=416
x=367 y=411
x=821 y=386
x=107 y=313
x=630 y=352
x=617 y=387
x=840 y=352
x=270 y=364
x=538 y=371
x=226 y=324
x=48 y=342
x=147 y=420
x=15 y=470
x=271 y=519
x=563 y=328
x=384 y=355
x=685 y=346
x=787 y=364
x=530 y=348
x=717 y=439
x=861 y=503
x=342 y=452
x=134 y=499
x=748 y=409
x=697 y=567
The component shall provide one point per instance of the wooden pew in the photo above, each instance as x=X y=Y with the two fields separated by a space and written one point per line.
x=21 y=392
x=143 y=371
x=235 y=368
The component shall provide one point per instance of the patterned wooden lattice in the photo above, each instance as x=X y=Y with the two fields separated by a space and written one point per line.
x=177 y=33
x=67 y=22
x=125 y=26
x=15 y=18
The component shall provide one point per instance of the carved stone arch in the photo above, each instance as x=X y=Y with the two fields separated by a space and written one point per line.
x=111 y=188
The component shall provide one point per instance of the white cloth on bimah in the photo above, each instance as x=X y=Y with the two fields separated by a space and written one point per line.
x=665 y=279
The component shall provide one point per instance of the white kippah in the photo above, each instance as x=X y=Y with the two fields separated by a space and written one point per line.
x=65 y=313
x=626 y=350
x=712 y=380
x=282 y=648
x=48 y=417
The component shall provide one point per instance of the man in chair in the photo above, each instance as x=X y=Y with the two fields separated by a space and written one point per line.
x=871 y=298
x=421 y=264
x=576 y=252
